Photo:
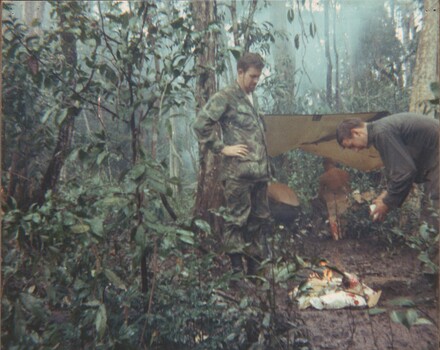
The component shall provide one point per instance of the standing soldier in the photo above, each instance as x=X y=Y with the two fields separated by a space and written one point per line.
x=245 y=172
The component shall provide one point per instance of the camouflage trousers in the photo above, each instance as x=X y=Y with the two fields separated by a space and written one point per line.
x=248 y=222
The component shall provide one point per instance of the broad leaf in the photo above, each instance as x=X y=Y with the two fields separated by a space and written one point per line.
x=113 y=278
x=101 y=320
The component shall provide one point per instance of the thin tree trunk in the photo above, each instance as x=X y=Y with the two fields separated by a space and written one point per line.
x=175 y=160
x=65 y=134
x=1 y=158
x=233 y=9
x=247 y=42
x=33 y=10
x=327 y=54
x=335 y=50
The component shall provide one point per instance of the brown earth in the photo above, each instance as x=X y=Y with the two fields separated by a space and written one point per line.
x=396 y=271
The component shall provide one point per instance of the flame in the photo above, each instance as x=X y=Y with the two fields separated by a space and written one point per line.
x=327 y=274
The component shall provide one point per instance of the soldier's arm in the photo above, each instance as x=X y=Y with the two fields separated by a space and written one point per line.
x=207 y=121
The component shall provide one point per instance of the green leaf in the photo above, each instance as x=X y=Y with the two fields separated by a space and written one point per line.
x=203 y=225
x=397 y=317
x=297 y=41
x=300 y=261
x=80 y=228
x=61 y=116
x=376 y=311
x=290 y=15
x=157 y=227
x=177 y=23
x=186 y=236
x=97 y=226
x=47 y=114
x=33 y=305
x=423 y=257
x=424 y=232
x=137 y=171
x=407 y=318
x=93 y=303
x=401 y=302
x=435 y=88
x=113 y=278
x=101 y=320
x=421 y=321
x=411 y=317
x=266 y=320
x=140 y=237
x=236 y=52
x=112 y=201
x=101 y=157
x=157 y=185
x=312 y=31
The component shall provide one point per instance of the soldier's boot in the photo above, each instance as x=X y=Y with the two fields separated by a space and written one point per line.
x=236 y=262
x=237 y=269
x=253 y=267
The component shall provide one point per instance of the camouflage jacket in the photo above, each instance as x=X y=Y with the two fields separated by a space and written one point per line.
x=240 y=123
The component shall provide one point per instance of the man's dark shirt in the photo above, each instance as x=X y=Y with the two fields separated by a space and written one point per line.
x=408 y=146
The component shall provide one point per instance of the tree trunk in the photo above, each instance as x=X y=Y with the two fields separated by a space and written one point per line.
x=247 y=40
x=51 y=177
x=425 y=71
x=33 y=10
x=1 y=157
x=209 y=194
x=175 y=161
x=284 y=61
x=233 y=9
x=327 y=54
x=335 y=50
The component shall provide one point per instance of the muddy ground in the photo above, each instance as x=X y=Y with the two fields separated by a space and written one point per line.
x=396 y=271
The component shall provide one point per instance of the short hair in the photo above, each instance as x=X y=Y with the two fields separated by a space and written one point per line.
x=250 y=59
x=343 y=131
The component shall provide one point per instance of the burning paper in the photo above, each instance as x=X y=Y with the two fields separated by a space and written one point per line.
x=328 y=292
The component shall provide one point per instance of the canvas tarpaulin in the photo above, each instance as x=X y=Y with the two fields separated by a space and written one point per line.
x=317 y=134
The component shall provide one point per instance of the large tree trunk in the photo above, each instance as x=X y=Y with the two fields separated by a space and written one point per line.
x=425 y=71
x=209 y=193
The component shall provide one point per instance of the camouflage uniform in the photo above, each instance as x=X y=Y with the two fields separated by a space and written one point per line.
x=245 y=179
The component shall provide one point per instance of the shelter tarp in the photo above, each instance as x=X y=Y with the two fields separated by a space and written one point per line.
x=317 y=134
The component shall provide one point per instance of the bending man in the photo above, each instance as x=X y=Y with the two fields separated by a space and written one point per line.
x=408 y=146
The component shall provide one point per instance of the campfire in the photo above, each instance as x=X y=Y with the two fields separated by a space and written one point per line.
x=332 y=288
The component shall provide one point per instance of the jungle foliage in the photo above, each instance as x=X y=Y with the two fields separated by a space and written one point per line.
x=100 y=247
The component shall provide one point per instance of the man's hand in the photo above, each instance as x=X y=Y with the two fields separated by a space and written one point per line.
x=380 y=212
x=235 y=151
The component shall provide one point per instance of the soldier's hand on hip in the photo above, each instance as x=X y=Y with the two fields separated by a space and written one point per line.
x=235 y=151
